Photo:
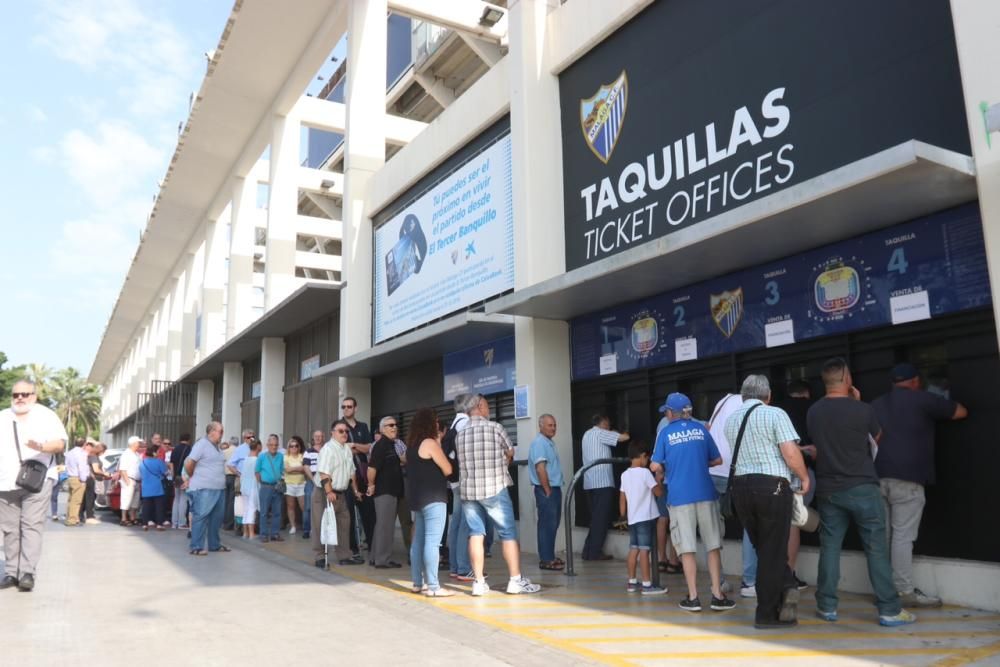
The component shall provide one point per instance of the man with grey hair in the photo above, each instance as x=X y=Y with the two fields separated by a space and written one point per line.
x=765 y=456
x=546 y=479
x=27 y=431
x=385 y=484
x=234 y=453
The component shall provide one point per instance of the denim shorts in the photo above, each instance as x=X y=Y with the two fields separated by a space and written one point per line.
x=640 y=535
x=499 y=510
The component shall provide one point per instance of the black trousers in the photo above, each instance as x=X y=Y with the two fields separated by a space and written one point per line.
x=89 y=497
x=602 y=507
x=228 y=515
x=764 y=506
x=154 y=509
x=366 y=508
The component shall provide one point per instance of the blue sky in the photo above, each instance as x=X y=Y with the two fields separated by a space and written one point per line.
x=93 y=93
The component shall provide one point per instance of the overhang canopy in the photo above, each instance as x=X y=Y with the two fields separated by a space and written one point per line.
x=300 y=308
x=454 y=333
x=895 y=185
x=228 y=129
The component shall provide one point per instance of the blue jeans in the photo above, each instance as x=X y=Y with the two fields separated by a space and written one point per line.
x=458 y=538
x=307 y=512
x=499 y=510
x=270 y=510
x=863 y=505
x=206 y=517
x=424 y=552
x=548 y=522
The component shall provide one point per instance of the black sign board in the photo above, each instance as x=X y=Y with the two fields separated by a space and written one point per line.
x=696 y=107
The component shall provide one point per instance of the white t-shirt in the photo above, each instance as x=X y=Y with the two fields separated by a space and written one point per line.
x=41 y=425
x=726 y=406
x=638 y=485
x=129 y=462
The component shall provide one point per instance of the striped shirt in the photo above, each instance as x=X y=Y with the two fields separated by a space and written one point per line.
x=482 y=446
x=759 y=453
x=597 y=444
x=337 y=461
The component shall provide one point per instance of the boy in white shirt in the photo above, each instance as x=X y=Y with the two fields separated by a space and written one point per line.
x=637 y=501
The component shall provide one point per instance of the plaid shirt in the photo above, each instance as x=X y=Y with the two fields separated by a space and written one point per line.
x=482 y=462
x=767 y=428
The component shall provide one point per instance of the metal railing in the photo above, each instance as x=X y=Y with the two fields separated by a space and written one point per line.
x=568 y=510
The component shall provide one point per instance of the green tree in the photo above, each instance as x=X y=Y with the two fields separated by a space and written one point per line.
x=41 y=375
x=8 y=376
x=77 y=402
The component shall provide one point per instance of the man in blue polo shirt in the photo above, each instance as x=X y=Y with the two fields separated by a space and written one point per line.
x=685 y=450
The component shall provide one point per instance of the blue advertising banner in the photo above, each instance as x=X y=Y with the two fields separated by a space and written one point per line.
x=917 y=270
x=484 y=369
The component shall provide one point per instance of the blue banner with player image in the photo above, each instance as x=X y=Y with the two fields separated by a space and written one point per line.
x=917 y=270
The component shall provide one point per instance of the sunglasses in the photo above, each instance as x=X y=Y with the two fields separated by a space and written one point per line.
x=390 y=426
x=346 y=407
x=340 y=430
x=22 y=394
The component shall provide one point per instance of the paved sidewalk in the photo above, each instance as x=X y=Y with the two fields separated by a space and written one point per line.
x=119 y=596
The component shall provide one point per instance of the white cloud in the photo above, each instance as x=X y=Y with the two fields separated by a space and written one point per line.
x=112 y=162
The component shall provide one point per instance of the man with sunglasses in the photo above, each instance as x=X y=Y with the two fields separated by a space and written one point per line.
x=336 y=483
x=360 y=438
x=34 y=432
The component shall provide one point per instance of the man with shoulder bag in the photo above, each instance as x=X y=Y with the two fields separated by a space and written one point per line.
x=31 y=436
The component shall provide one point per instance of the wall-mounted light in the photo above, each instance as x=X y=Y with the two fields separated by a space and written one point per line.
x=326 y=184
x=491 y=16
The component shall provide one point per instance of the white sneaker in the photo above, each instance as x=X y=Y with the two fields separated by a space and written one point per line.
x=480 y=588
x=291 y=531
x=522 y=585
x=748 y=591
x=92 y=521
x=919 y=599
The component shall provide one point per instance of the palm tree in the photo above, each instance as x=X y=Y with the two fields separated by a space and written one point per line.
x=77 y=402
x=41 y=375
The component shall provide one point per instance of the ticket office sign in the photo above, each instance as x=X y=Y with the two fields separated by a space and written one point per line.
x=917 y=270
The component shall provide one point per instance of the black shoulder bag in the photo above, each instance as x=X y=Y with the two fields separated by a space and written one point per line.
x=31 y=475
x=726 y=505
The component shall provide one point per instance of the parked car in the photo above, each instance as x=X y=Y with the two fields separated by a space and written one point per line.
x=108 y=490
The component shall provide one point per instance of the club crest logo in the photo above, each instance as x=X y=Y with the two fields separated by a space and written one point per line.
x=727 y=310
x=488 y=355
x=602 y=117
x=645 y=335
x=837 y=289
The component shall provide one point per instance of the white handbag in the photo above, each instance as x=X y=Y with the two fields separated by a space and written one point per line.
x=328 y=527
x=804 y=517
x=238 y=506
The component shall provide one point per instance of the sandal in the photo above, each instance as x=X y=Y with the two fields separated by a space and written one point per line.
x=422 y=589
x=223 y=549
x=439 y=593
x=198 y=552
x=550 y=565
x=669 y=568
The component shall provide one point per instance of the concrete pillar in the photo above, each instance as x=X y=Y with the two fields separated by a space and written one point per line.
x=203 y=407
x=213 y=333
x=542 y=346
x=364 y=154
x=232 y=396
x=978 y=52
x=272 y=384
x=282 y=207
x=175 y=329
x=241 y=237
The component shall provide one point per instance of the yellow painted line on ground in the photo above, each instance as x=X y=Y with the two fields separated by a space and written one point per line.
x=697 y=622
x=792 y=653
x=930 y=634
x=966 y=656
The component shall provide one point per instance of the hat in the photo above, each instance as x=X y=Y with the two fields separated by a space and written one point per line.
x=904 y=372
x=134 y=439
x=676 y=402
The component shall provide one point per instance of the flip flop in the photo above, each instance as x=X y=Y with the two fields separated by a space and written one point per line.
x=439 y=593
x=198 y=552
x=669 y=568
x=550 y=565
x=223 y=549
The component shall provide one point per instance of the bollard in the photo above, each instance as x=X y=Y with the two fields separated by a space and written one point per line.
x=568 y=509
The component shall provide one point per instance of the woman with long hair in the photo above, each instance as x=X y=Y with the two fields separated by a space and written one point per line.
x=427 y=488
x=295 y=481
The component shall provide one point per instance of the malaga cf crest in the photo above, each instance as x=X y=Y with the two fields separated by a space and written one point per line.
x=727 y=310
x=602 y=116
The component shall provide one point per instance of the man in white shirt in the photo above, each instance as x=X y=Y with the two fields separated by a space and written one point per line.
x=599 y=443
x=27 y=431
x=128 y=471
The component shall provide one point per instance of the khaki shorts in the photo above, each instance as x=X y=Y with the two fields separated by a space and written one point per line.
x=687 y=521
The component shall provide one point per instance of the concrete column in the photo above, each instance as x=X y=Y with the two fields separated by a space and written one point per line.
x=203 y=407
x=175 y=329
x=282 y=207
x=364 y=154
x=272 y=384
x=213 y=334
x=241 y=237
x=978 y=52
x=232 y=396
x=542 y=346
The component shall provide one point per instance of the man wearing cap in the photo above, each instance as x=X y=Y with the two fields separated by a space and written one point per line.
x=685 y=451
x=905 y=463
x=128 y=469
